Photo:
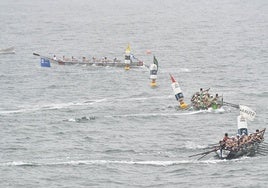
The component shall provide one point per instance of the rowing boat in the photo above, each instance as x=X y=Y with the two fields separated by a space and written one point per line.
x=202 y=100
x=130 y=61
x=10 y=50
x=96 y=63
x=247 y=148
x=116 y=63
x=243 y=144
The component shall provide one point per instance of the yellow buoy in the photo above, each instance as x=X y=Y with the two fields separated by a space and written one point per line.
x=183 y=105
x=153 y=84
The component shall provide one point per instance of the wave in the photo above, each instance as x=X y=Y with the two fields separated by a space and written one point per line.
x=193 y=145
x=19 y=163
x=154 y=114
x=84 y=119
x=27 y=109
x=178 y=70
x=120 y=162
x=140 y=97
x=81 y=120
x=181 y=113
x=55 y=106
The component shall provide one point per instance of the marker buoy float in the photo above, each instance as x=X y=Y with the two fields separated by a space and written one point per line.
x=153 y=74
x=178 y=92
x=127 y=58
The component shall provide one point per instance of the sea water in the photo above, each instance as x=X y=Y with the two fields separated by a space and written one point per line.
x=86 y=126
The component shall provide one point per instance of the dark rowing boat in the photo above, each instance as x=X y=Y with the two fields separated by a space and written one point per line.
x=234 y=149
x=243 y=144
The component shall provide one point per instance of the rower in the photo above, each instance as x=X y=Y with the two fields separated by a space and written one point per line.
x=226 y=137
x=216 y=97
x=94 y=59
x=84 y=59
x=258 y=136
x=215 y=102
x=242 y=125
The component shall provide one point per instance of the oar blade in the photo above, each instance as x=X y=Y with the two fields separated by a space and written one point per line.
x=205 y=153
x=36 y=54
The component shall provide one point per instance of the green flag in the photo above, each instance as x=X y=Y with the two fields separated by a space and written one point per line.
x=156 y=62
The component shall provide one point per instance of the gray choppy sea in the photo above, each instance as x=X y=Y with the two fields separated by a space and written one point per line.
x=133 y=135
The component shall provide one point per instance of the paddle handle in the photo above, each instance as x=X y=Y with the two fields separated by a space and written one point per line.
x=231 y=104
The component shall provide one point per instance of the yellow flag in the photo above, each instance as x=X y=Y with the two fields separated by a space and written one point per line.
x=128 y=49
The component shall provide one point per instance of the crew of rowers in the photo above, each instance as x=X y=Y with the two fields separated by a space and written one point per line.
x=105 y=60
x=238 y=142
x=85 y=60
x=203 y=100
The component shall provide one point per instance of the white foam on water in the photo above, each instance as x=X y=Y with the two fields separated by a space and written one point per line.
x=155 y=114
x=119 y=162
x=193 y=145
x=53 y=106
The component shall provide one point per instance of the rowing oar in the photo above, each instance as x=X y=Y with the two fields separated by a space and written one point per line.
x=261 y=154
x=231 y=104
x=212 y=145
x=36 y=54
x=42 y=56
x=204 y=153
x=263 y=150
x=263 y=147
x=264 y=153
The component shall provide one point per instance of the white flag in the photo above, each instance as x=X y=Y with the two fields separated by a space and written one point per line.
x=247 y=112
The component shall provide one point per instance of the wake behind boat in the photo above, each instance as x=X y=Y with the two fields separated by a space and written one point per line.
x=10 y=50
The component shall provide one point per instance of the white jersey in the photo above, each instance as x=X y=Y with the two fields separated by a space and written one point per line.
x=241 y=122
